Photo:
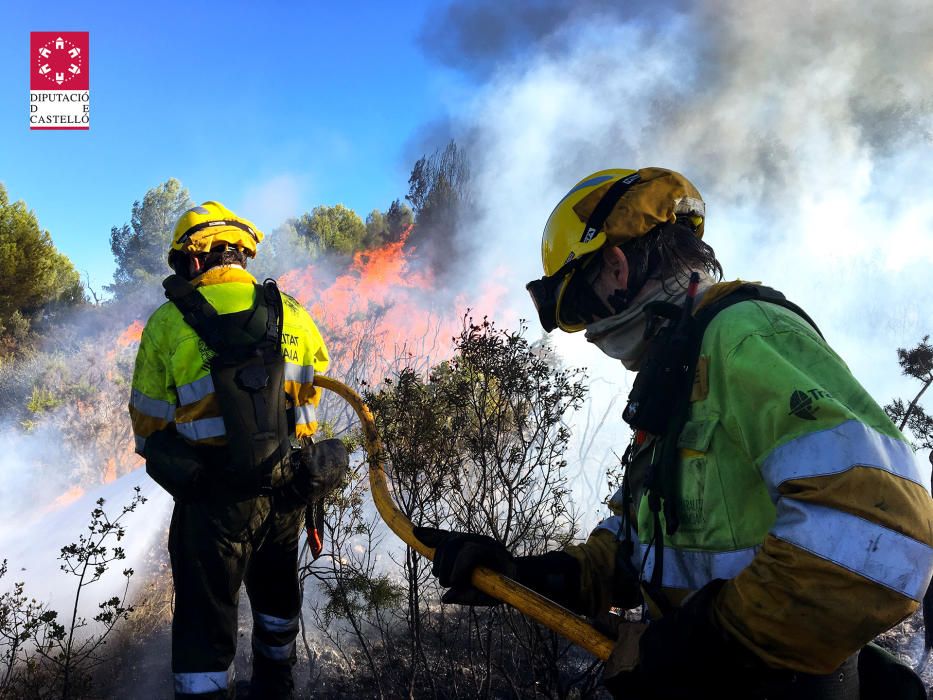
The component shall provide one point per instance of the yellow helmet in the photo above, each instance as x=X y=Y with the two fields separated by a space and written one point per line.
x=203 y=227
x=608 y=207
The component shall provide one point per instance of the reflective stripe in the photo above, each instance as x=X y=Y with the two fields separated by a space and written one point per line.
x=692 y=569
x=299 y=373
x=865 y=548
x=140 y=444
x=592 y=182
x=154 y=408
x=306 y=414
x=282 y=653
x=836 y=450
x=196 y=390
x=613 y=524
x=202 y=429
x=205 y=681
x=277 y=625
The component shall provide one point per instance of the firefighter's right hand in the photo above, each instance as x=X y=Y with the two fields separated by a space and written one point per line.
x=457 y=554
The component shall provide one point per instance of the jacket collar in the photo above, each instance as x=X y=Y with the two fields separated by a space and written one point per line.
x=223 y=274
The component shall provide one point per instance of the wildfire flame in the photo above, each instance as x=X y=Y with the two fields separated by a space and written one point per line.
x=384 y=287
x=382 y=300
x=67 y=498
x=131 y=334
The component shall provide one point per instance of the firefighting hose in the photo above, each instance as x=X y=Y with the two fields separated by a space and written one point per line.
x=526 y=601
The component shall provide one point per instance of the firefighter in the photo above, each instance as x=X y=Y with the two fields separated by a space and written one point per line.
x=223 y=386
x=772 y=519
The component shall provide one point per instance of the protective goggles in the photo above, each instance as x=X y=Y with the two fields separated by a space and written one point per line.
x=566 y=298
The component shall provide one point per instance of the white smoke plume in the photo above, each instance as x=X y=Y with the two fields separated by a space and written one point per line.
x=32 y=543
x=806 y=127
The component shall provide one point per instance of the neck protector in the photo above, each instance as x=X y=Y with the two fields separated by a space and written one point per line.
x=623 y=336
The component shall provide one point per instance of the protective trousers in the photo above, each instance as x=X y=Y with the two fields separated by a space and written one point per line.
x=214 y=547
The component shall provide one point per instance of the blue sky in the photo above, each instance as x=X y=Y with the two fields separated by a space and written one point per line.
x=275 y=109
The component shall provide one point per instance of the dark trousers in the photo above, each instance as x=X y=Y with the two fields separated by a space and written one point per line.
x=873 y=674
x=213 y=549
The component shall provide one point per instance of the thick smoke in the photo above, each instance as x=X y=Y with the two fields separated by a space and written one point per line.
x=32 y=545
x=806 y=126
x=479 y=37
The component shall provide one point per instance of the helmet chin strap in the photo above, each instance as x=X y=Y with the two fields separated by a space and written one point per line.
x=619 y=300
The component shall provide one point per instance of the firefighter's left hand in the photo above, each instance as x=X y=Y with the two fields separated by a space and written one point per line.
x=686 y=654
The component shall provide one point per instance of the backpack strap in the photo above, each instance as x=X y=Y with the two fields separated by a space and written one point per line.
x=668 y=376
x=215 y=330
x=746 y=292
x=196 y=310
x=275 y=319
x=669 y=473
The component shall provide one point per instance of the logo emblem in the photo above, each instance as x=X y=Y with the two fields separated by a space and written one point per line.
x=803 y=403
x=61 y=60
x=58 y=80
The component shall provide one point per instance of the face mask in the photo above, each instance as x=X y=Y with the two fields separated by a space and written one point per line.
x=623 y=336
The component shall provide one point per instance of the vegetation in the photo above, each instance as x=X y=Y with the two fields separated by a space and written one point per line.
x=388 y=226
x=439 y=192
x=910 y=416
x=36 y=281
x=43 y=656
x=477 y=442
x=917 y=362
x=139 y=247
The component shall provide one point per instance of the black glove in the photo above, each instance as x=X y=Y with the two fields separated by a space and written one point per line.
x=686 y=654
x=456 y=554
x=556 y=575
x=317 y=470
x=175 y=465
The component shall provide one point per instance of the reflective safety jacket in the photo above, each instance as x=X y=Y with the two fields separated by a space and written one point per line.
x=795 y=486
x=172 y=380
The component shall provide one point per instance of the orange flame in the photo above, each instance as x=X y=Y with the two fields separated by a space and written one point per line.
x=110 y=472
x=131 y=334
x=68 y=497
x=414 y=317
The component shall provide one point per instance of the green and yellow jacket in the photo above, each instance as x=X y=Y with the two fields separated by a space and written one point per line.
x=795 y=486
x=172 y=380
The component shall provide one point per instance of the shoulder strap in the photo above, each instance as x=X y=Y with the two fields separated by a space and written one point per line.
x=276 y=316
x=195 y=309
x=209 y=325
x=669 y=474
x=747 y=292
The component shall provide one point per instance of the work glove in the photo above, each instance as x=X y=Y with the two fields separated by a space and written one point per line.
x=317 y=469
x=456 y=554
x=686 y=654
x=556 y=575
